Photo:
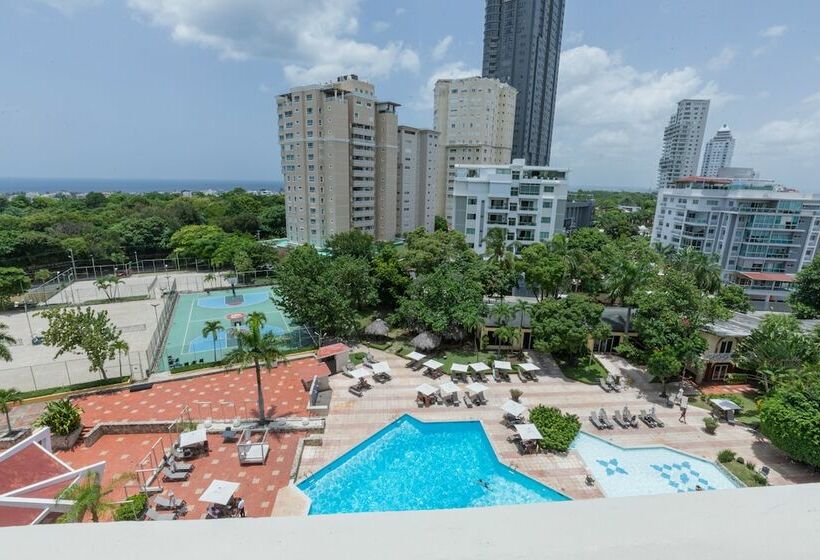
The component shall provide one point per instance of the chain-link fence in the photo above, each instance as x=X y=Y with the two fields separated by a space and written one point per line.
x=157 y=343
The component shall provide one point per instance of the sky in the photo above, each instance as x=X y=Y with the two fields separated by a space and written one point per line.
x=186 y=88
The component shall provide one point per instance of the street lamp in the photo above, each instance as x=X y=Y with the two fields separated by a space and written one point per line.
x=156 y=316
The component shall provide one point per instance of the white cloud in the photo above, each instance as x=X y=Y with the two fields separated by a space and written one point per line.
x=573 y=38
x=774 y=31
x=424 y=99
x=723 y=59
x=380 y=26
x=69 y=7
x=314 y=39
x=791 y=139
x=440 y=50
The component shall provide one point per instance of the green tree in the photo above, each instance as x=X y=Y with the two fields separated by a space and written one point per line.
x=790 y=418
x=507 y=336
x=9 y=397
x=352 y=276
x=5 y=340
x=565 y=326
x=732 y=297
x=89 y=331
x=42 y=275
x=440 y=224
x=805 y=297
x=496 y=243
x=502 y=312
x=212 y=329
x=254 y=347
x=108 y=284
x=777 y=348
x=543 y=270
x=390 y=274
x=13 y=281
x=353 y=243
x=121 y=347
x=704 y=268
x=663 y=364
x=197 y=241
x=89 y=496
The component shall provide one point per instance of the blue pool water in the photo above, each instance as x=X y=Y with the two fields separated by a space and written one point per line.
x=414 y=465
x=221 y=301
x=647 y=470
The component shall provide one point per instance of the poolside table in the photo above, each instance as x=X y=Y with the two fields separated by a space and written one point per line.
x=528 y=432
x=219 y=492
x=513 y=408
x=193 y=438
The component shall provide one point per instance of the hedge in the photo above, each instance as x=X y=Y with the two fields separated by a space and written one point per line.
x=132 y=508
x=790 y=418
x=558 y=429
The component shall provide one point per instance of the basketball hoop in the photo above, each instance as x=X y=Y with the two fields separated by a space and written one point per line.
x=236 y=319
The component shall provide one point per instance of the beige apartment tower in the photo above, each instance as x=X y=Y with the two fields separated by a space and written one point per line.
x=339 y=152
x=474 y=118
x=417 y=177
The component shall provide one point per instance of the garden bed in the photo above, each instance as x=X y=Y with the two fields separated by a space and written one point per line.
x=583 y=371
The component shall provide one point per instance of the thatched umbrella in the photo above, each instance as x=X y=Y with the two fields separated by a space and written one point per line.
x=377 y=328
x=426 y=341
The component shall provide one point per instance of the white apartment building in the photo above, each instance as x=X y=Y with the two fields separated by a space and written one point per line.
x=474 y=118
x=718 y=153
x=761 y=234
x=417 y=176
x=528 y=202
x=682 y=140
x=339 y=153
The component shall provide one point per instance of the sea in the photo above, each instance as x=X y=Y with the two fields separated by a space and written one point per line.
x=52 y=185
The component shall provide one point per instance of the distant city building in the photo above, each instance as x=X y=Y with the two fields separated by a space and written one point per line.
x=417 y=176
x=527 y=202
x=474 y=118
x=682 y=140
x=737 y=173
x=718 y=152
x=761 y=234
x=578 y=214
x=339 y=153
x=522 y=47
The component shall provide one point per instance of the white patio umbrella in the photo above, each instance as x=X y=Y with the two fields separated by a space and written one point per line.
x=415 y=356
x=514 y=408
x=528 y=432
x=219 y=492
x=426 y=389
x=360 y=373
x=460 y=368
x=479 y=367
x=527 y=366
x=503 y=366
x=475 y=388
x=448 y=388
x=381 y=367
x=433 y=364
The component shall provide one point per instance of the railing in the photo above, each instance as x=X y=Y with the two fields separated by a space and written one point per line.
x=52 y=374
x=157 y=343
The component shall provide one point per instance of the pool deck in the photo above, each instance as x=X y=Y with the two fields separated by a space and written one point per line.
x=352 y=419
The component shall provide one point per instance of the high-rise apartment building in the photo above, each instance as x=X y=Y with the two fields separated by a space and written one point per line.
x=417 y=177
x=682 y=140
x=718 y=152
x=528 y=202
x=474 y=118
x=522 y=47
x=761 y=234
x=339 y=151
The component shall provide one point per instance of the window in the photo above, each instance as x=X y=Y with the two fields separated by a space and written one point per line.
x=725 y=347
x=546 y=204
x=469 y=231
x=546 y=219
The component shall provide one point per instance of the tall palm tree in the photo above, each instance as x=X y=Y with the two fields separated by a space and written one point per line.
x=506 y=335
x=476 y=325
x=496 y=242
x=89 y=496
x=523 y=307
x=9 y=397
x=503 y=312
x=257 y=348
x=5 y=340
x=212 y=329
x=122 y=348
x=209 y=278
x=623 y=282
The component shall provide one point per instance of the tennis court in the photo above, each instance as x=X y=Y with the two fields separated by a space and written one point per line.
x=185 y=344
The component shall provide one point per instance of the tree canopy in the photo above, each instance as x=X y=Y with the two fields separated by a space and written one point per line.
x=805 y=298
x=790 y=418
x=564 y=326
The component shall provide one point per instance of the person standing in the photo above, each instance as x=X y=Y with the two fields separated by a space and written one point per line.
x=684 y=404
x=240 y=505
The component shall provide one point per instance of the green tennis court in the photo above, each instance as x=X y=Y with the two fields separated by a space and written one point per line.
x=185 y=344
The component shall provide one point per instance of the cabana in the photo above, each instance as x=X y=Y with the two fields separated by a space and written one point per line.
x=526 y=371
x=727 y=408
x=459 y=371
x=220 y=495
x=501 y=370
x=415 y=360
x=378 y=329
x=251 y=449
x=426 y=341
x=479 y=368
x=426 y=394
x=529 y=436
x=475 y=391
x=514 y=412
x=449 y=392
x=381 y=371
x=433 y=368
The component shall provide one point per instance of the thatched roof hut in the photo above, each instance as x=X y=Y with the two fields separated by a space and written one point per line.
x=426 y=341
x=377 y=328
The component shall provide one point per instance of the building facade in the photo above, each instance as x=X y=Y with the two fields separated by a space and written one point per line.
x=417 y=175
x=474 y=118
x=527 y=202
x=339 y=151
x=579 y=214
x=760 y=234
x=718 y=153
x=682 y=140
x=522 y=47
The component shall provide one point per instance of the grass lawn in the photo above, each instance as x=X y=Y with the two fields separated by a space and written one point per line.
x=743 y=473
x=583 y=371
x=451 y=357
x=747 y=417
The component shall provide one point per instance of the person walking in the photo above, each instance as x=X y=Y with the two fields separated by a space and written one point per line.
x=240 y=505
x=684 y=404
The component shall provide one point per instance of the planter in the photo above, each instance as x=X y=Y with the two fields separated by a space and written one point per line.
x=65 y=442
x=13 y=437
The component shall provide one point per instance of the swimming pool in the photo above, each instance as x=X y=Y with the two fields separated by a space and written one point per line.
x=414 y=465
x=640 y=471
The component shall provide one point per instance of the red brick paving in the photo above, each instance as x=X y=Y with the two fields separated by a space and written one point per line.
x=282 y=388
x=723 y=389
x=259 y=484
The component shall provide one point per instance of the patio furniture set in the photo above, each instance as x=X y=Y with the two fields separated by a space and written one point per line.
x=379 y=371
x=625 y=419
x=526 y=436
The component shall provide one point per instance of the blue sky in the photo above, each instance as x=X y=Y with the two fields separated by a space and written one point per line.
x=186 y=88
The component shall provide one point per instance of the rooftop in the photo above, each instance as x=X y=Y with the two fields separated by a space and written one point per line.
x=742 y=324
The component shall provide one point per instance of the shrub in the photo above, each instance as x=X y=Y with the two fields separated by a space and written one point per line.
x=751 y=466
x=790 y=418
x=515 y=394
x=726 y=456
x=711 y=425
x=760 y=479
x=61 y=417
x=558 y=429
x=741 y=460
x=132 y=508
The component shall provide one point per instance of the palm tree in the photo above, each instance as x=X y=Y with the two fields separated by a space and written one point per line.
x=622 y=283
x=506 y=335
x=496 y=242
x=476 y=325
x=523 y=307
x=9 y=397
x=503 y=312
x=5 y=340
x=89 y=496
x=210 y=278
x=212 y=329
x=256 y=348
x=122 y=348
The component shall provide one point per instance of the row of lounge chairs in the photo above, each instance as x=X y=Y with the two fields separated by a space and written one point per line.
x=174 y=471
x=650 y=418
x=610 y=383
x=624 y=418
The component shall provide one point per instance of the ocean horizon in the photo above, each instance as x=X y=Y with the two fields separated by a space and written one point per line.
x=54 y=185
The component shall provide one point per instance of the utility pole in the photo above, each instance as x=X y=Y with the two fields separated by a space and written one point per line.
x=25 y=308
x=73 y=264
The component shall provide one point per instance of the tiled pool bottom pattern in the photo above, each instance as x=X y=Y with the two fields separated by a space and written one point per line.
x=648 y=470
x=413 y=465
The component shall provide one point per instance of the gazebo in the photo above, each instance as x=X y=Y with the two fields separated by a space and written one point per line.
x=426 y=341
x=377 y=328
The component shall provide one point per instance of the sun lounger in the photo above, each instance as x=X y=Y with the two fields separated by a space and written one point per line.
x=468 y=401
x=355 y=391
x=644 y=417
x=619 y=420
x=480 y=399
x=604 y=385
x=730 y=417
x=630 y=418
x=654 y=418
x=154 y=515
x=605 y=420
x=180 y=467
x=170 y=476
x=614 y=385
x=173 y=504
x=531 y=376
x=764 y=470
x=593 y=417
